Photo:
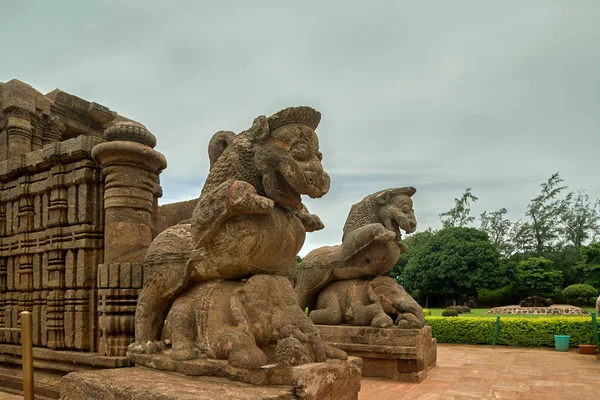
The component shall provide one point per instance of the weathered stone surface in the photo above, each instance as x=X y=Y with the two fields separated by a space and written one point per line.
x=145 y=384
x=370 y=246
x=248 y=223
x=331 y=380
x=400 y=354
x=175 y=213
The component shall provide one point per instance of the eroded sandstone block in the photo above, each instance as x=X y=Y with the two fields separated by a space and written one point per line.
x=331 y=380
x=400 y=354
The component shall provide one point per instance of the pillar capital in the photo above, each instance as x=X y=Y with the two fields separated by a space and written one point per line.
x=129 y=144
x=18 y=126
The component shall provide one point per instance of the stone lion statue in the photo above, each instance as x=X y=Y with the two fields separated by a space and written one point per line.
x=370 y=246
x=249 y=220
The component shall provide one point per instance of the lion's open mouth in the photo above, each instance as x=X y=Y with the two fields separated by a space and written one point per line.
x=396 y=227
x=284 y=193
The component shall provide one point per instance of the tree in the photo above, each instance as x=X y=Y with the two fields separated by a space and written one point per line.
x=580 y=294
x=459 y=216
x=590 y=264
x=413 y=242
x=580 y=219
x=455 y=261
x=499 y=230
x=566 y=260
x=537 y=276
x=544 y=210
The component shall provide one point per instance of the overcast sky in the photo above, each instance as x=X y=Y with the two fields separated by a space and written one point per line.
x=440 y=95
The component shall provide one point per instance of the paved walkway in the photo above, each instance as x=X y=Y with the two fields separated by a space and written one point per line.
x=486 y=372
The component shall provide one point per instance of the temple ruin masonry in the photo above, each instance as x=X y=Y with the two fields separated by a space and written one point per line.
x=77 y=213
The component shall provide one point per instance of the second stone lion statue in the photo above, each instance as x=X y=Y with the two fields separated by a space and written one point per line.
x=331 y=280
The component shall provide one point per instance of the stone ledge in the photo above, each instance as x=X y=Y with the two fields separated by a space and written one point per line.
x=331 y=380
x=68 y=151
x=69 y=357
x=271 y=374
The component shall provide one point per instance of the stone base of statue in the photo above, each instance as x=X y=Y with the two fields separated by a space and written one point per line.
x=403 y=355
x=333 y=379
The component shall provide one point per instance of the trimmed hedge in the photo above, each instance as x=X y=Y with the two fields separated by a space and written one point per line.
x=427 y=312
x=460 y=309
x=449 y=313
x=580 y=294
x=521 y=332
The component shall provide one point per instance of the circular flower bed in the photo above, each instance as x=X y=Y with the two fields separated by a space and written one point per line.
x=552 y=310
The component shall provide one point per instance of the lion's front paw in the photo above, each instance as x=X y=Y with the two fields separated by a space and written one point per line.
x=244 y=199
x=385 y=236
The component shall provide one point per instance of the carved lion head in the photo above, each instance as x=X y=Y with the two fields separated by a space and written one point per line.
x=287 y=156
x=395 y=209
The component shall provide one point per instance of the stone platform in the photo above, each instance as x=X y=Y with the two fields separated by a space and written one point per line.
x=334 y=379
x=403 y=355
x=50 y=366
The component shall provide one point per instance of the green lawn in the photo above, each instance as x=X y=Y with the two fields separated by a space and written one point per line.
x=480 y=312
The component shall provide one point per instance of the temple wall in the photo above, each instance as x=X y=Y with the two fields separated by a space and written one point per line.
x=70 y=199
x=51 y=241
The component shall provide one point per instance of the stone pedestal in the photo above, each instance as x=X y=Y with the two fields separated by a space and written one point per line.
x=403 y=355
x=331 y=380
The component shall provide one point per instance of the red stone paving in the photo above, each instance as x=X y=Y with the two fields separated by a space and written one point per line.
x=486 y=372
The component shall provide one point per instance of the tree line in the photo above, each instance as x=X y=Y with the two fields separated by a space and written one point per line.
x=553 y=251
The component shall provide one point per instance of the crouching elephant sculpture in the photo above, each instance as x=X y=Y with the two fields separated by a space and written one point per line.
x=380 y=302
x=247 y=323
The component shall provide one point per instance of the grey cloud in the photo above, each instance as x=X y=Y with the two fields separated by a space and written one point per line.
x=439 y=95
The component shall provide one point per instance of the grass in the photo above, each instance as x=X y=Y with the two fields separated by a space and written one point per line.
x=480 y=312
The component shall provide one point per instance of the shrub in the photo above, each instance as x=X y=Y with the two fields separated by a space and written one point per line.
x=514 y=331
x=449 y=313
x=460 y=309
x=427 y=312
x=535 y=301
x=580 y=294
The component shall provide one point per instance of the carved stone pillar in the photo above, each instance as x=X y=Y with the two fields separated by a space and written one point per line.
x=130 y=167
x=18 y=128
x=131 y=188
x=54 y=131
x=3 y=290
x=56 y=299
